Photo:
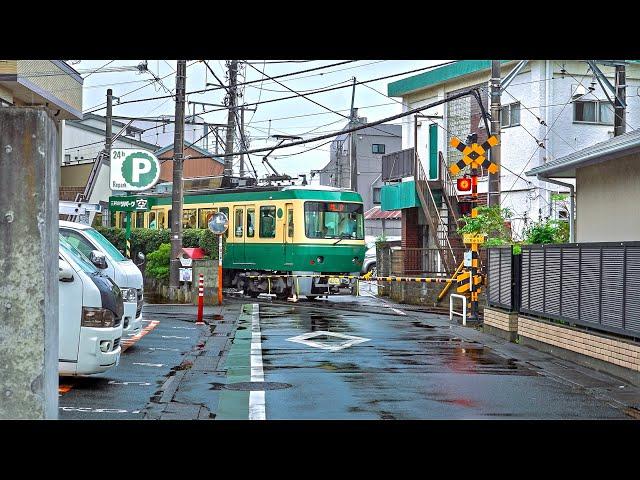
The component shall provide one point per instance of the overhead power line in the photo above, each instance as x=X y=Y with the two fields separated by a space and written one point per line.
x=359 y=127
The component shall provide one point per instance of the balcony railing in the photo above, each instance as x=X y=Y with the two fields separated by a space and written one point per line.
x=398 y=165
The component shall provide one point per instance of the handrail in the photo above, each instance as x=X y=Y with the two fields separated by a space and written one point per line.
x=441 y=229
x=448 y=187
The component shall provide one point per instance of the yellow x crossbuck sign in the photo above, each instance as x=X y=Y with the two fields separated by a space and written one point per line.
x=474 y=155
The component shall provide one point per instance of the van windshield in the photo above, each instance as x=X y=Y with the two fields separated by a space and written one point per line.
x=112 y=251
x=74 y=255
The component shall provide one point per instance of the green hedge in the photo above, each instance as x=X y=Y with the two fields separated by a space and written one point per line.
x=147 y=240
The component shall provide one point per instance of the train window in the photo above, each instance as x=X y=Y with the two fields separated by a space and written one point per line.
x=238 y=222
x=334 y=220
x=290 y=223
x=153 y=224
x=169 y=218
x=162 y=219
x=225 y=210
x=251 y=221
x=189 y=218
x=204 y=215
x=139 y=220
x=268 y=222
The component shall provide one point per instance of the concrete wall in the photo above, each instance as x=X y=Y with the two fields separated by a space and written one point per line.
x=608 y=196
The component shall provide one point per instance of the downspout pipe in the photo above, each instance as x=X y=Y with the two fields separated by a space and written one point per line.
x=572 y=190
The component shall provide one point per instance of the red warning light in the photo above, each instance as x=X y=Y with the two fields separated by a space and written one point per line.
x=464 y=184
x=336 y=207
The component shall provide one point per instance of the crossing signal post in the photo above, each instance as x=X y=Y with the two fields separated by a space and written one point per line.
x=473 y=156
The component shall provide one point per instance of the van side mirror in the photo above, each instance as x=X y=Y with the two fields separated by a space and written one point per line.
x=65 y=273
x=98 y=258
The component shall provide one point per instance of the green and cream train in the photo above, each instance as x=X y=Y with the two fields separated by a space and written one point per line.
x=295 y=235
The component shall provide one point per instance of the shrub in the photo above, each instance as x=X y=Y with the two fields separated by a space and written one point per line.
x=550 y=231
x=158 y=262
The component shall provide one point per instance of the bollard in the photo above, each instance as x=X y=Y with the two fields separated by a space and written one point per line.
x=200 y=321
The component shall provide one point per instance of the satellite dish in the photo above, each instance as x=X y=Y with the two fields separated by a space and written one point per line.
x=218 y=223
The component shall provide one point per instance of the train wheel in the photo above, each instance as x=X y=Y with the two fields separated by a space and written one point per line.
x=253 y=294
x=312 y=297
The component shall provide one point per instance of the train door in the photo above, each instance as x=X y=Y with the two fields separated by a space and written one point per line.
x=288 y=232
x=250 y=244
x=238 y=235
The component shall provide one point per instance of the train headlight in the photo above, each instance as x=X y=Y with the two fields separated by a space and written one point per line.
x=320 y=259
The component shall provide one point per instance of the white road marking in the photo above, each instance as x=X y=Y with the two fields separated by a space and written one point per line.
x=97 y=410
x=398 y=311
x=149 y=364
x=167 y=349
x=172 y=336
x=257 y=409
x=185 y=328
x=305 y=340
x=142 y=384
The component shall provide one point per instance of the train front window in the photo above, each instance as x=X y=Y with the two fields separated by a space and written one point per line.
x=334 y=220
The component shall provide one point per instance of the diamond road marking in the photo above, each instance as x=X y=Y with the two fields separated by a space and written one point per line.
x=305 y=339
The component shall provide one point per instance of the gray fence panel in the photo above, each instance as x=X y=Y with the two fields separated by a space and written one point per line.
x=526 y=268
x=536 y=280
x=611 y=293
x=589 y=285
x=506 y=277
x=552 y=281
x=493 y=282
x=632 y=289
x=570 y=284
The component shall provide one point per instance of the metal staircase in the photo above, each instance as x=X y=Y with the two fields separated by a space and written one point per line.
x=443 y=217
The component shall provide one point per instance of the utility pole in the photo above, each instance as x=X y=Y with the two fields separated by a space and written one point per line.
x=619 y=122
x=244 y=147
x=494 y=178
x=231 y=118
x=353 y=159
x=106 y=217
x=176 y=193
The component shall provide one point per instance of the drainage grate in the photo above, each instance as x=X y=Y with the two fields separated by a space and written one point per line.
x=249 y=386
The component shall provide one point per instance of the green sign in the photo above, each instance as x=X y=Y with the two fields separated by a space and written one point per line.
x=129 y=204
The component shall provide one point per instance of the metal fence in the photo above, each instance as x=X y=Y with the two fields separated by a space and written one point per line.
x=596 y=285
x=398 y=165
x=415 y=261
x=503 y=278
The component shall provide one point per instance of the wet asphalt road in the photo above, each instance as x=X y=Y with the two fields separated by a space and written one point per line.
x=122 y=392
x=408 y=368
x=396 y=363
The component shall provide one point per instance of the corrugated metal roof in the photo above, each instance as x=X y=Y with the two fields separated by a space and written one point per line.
x=376 y=214
x=616 y=147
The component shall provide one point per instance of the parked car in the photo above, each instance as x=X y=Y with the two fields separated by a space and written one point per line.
x=106 y=257
x=369 y=262
x=90 y=316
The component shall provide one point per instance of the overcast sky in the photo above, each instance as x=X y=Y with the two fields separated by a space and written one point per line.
x=316 y=120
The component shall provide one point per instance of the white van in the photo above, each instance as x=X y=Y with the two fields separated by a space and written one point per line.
x=90 y=316
x=112 y=263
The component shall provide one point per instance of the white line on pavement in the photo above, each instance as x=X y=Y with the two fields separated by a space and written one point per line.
x=185 y=328
x=256 y=398
x=142 y=384
x=172 y=336
x=149 y=364
x=167 y=349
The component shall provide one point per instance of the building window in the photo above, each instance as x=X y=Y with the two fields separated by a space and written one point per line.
x=376 y=195
x=67 y=158
x=510 y=115
x=593 y=112
x=268 y=222
x=377 y=148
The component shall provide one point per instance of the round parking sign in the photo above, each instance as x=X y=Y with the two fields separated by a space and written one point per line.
x=133 y=169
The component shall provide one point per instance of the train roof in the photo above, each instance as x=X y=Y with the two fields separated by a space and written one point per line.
x=308 y=192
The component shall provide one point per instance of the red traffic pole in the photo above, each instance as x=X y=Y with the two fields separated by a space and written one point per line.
x=200 y=299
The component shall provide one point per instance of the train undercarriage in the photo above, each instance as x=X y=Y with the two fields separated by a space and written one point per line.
x=284 y=284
